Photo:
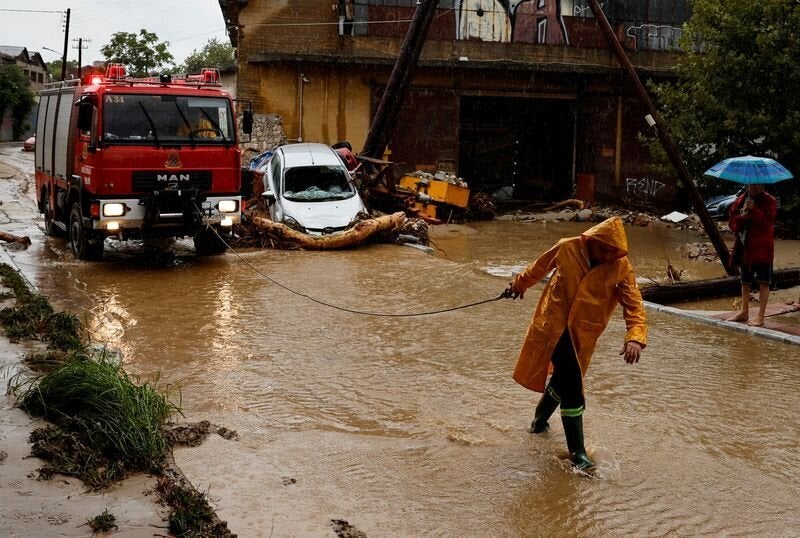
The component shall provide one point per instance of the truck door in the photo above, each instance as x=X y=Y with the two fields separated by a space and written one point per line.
x=88 y=134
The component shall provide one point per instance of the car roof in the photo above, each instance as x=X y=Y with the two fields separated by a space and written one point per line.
x=309 y=154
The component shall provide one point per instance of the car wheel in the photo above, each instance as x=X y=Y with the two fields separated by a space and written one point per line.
x=50 y=227
x=207 y=243
x=82 y=247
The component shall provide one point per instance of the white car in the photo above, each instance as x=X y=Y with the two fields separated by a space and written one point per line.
x=308 y=188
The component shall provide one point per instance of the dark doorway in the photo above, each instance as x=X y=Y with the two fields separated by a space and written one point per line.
x=524 y=142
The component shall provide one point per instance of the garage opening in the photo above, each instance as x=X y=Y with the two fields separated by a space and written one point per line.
x=516 y=147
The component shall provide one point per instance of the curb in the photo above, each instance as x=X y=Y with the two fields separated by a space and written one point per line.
x=740 y=327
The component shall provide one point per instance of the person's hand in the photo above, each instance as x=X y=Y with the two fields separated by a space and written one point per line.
x=632 y=351
x=516 y=292
x=748 y=205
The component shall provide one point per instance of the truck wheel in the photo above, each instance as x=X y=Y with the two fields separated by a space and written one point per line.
x=82 y=247
x=50 y=227
x=206 y=243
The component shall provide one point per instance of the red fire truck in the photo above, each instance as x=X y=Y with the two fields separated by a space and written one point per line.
x=138 y=159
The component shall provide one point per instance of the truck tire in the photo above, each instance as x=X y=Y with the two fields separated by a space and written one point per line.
x=50 y=227
x=82 y=247
x=206 y=243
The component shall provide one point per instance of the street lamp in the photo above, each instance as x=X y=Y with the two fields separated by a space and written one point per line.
x=63 y=61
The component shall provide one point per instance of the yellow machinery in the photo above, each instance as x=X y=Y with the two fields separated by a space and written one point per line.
x=433 y=196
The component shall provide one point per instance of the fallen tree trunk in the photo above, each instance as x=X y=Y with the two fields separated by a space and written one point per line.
x=11 y=238
x=571 y=202
x=716 y=287
x=348 y=238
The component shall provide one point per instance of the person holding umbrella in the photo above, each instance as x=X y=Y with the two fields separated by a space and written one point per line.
x=752 y=219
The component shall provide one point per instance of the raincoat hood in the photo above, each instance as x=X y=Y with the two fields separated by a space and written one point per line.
x=610 y=232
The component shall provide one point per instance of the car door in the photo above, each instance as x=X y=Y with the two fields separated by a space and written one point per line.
x=275 y=182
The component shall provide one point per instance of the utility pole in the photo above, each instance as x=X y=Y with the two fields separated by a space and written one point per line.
x=393 y=96
x=654 y=120
x=80 y=48
x=66 y=43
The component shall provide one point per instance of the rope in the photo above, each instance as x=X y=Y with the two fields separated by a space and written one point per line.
x=505 y=294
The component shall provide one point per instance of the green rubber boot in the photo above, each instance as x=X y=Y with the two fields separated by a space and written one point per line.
x=573 y=430
x=544 y=410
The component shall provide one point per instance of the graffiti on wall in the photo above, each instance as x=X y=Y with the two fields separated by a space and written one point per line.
x=654 y=24
x=645 y=186
x=525 y=21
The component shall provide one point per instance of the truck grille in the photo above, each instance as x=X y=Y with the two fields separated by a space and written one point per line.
x=156 y=181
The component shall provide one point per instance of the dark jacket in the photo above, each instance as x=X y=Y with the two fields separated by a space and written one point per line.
x=759 y=227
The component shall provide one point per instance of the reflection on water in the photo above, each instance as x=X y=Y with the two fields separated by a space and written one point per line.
x=414 y=427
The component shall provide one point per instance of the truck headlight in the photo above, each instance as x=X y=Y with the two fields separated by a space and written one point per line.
x=113 y=210
x=227 y=206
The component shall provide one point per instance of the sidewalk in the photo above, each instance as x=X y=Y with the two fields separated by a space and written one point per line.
x=772 y=329
x=60 y=506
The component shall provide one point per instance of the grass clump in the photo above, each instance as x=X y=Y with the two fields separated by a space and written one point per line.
x=191 y=513
x=105 y=422
x=105 y=522
x=33 y=317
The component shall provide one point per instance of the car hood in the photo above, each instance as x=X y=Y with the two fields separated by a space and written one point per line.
x=320 y=215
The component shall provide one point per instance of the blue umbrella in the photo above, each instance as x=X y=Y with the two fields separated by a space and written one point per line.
x=749 y=170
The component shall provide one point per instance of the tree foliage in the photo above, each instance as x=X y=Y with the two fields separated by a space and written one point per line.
x=54 y=68
x=15 y=95
x=143 y=53
x=214 y=53
x=738 y=81
x=737 y=87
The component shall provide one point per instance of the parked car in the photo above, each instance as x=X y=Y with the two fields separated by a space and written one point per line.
x=309 y=188
x=718 y=206
x=29 y=144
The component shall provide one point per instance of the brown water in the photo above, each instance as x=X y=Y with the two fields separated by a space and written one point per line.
x=408 y=427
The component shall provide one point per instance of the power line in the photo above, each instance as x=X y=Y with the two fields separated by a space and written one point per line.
x=31 y=10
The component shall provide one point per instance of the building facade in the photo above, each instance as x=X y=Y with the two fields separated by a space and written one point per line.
x=521 y=94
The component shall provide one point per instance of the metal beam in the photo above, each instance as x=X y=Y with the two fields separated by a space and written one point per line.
x=393 y=96
x=666 y=141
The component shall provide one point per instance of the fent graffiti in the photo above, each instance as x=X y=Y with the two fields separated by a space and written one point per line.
x=643 y=186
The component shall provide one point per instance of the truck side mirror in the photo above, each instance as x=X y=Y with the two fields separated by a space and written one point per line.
x=247 y=122
x=85 y=116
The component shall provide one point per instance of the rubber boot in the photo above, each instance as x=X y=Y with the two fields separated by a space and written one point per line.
x=544 y=410
x=573 y=430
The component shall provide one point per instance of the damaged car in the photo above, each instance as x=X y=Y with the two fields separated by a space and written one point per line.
x=309 y=188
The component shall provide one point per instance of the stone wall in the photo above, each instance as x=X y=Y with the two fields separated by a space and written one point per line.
x=267 y=134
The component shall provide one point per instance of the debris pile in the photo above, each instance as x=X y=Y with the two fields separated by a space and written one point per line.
x=700 y=251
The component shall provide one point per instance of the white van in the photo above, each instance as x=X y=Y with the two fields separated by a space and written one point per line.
x=309 y=189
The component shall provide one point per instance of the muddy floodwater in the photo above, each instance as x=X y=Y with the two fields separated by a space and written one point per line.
x=413 y=426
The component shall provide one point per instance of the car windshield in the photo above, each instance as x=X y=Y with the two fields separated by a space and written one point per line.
x=317 y=184
x=133 y=118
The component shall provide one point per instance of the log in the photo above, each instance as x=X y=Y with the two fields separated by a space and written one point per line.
x=11 y=238
x=716 y=287
x=348 y=238
x=571 y=202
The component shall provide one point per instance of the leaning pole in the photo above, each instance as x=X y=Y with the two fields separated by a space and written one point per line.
x=666 y=141
x=393 y=96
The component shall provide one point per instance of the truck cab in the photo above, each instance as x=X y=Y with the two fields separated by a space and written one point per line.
x=138 y=159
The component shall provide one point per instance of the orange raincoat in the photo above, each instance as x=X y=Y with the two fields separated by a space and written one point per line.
x=580 y=298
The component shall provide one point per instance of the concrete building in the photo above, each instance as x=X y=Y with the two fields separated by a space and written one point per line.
x=522 y=93
x=31 y=64
x=35 y=70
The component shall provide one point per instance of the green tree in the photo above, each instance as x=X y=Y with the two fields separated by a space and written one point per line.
x=738 y=82
x=15 y=95
x=214 y=53
x=54 y=69
x=143 y=53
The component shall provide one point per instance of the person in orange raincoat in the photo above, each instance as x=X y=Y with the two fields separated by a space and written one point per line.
x=590 y=275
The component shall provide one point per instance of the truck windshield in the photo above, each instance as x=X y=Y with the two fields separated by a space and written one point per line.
x=137 y=119
x=316 y=184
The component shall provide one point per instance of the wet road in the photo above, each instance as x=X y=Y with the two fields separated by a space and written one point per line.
x=408 y=427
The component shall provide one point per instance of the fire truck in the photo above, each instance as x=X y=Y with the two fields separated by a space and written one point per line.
x=138 y=158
